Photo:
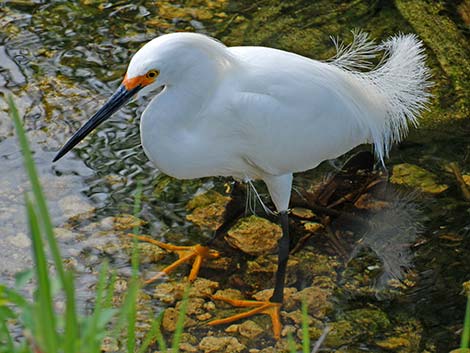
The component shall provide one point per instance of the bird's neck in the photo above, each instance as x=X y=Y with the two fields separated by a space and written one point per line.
x=181 y=103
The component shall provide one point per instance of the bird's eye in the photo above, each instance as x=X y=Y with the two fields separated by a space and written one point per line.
x=152 y=74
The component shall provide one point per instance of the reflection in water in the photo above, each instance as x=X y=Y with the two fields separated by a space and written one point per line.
x=390 y=234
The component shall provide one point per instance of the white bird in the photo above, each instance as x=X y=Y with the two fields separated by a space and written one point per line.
x=261 y=113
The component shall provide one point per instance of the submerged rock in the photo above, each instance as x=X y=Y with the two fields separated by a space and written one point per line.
x=221 y=345
x=254 y=236
x=207 y=209
x=149 y=253
x=260 y=272
x=171 y=292
x=301 y=212
x=248 y=329
x=122 y=222
x=317 y=300
x=405 y=337
x=75 y=207
x=416 y=177
x=170 y=318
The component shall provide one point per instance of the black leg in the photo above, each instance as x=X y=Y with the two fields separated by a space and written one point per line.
x=233 y=211
x=283 y=256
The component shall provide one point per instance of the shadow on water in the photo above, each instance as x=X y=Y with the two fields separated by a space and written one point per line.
x=60 y=60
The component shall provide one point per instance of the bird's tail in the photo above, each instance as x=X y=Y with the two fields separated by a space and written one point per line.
x=397 y=87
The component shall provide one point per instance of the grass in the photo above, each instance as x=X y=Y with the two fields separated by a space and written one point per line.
x=465 y=342
x=37 y=326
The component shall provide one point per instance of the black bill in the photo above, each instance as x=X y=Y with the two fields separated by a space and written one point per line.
x=117 y=100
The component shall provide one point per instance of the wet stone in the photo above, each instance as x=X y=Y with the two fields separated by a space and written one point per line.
x=186 y=347
x=207 y=209
x=416 y=177
x=20 y=240
x=296 y=316
x=221 y=345
x=204 y=316
x=268 y=350
x=254 y=236
x=149 y=253
x=64 y=233
x=316 y=300
x=75 y=207
x=122 y=222
x=301 y=212
x=260 y=272
x=466 y=179
x=169 y=292
x=312 y=227
x=393 y=343
x=288 y=329
x=170 y=317
x=250 y=329
x=203 y=287
x=109 y=344
x=195 y=306
x=232 y=328
x=220 y=263
x=341 y=333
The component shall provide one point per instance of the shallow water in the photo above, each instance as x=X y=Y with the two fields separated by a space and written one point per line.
x=61 y=60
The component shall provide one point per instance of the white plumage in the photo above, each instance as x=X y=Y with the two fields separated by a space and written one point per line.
x=263 y=113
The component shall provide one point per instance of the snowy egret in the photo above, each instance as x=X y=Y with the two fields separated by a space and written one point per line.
x=261 y=113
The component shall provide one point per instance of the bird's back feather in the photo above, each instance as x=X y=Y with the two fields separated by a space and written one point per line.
x=300 y=111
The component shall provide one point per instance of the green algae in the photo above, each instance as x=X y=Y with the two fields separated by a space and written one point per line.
x=254 y=235
x=207 y=210
x=417 y=177
x=449 y=45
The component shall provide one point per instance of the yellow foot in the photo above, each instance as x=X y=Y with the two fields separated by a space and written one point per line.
x=260 y=307
x=197 y=253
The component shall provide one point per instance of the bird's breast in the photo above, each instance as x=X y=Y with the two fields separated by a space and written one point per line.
x=189 y=154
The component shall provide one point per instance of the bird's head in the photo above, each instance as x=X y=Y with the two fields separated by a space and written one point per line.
x=164 y=61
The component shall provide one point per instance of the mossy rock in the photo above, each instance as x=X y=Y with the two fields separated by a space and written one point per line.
x=357 y=325
x=254 y=236
x=406 y=336
x=341 y=333
x=368 y=321
x=414 y=176
x=207 y=209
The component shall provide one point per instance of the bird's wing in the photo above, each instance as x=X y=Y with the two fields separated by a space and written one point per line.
x=291 y=111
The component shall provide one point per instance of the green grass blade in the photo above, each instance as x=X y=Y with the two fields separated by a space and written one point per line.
x=291 y=343
x=71 y=321
x=90 y=334
x=108 y=298
x=137 y=204
x=305 y=333
x=6 y=338
x=134 y=287
x=150 y=337
x=158 y=334
x=30 y=167
x=46 y=315
x=43 y=213
x=180 y=321
x=465 y=342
